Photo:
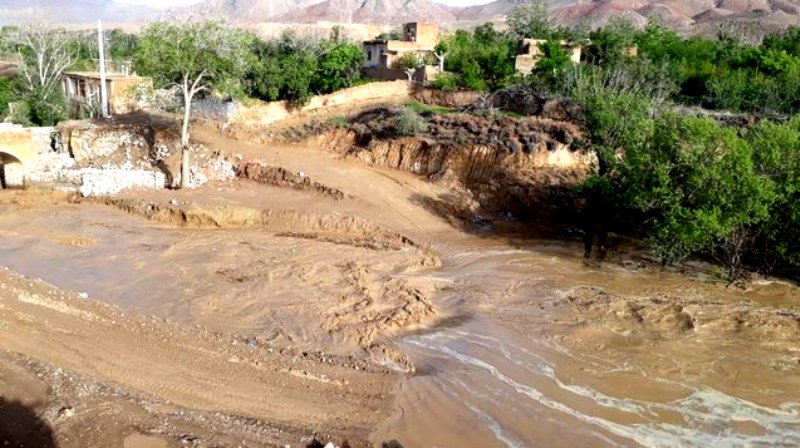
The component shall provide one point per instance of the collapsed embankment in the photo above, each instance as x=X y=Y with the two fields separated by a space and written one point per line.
x=520 y=167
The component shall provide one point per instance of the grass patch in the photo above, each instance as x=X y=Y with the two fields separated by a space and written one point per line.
x=424 y=109
x=338 y=121
x=364 y=81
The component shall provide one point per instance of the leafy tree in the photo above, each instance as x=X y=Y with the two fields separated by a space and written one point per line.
x=776 y=156
x=294 y=69
x=549 y=73
x=7 y=95
x=610 y=43
x=483 y=60
x=196 y=57
x=121 y=45
x=410 y=61
x=705 y=191
x=338 y=68
x=298 y=71
x=530 y=19
x=46 y=109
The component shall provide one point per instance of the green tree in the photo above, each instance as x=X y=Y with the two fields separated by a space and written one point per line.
x=549 y=73
x=530 y=19
x=121 y=45
x=610 y=43
x=299 y=72
x=7 y=95
x=776 y=154
x=196 y=57
x=482 y=60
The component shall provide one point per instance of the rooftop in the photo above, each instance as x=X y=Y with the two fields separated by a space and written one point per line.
x=96 y=75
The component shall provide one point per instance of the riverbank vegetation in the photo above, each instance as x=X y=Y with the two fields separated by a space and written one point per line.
x=698 y=138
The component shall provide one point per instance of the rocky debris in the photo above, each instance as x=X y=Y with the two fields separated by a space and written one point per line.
x=283 y=178
x=66 y=412
x=137 y=139
x=209 y=166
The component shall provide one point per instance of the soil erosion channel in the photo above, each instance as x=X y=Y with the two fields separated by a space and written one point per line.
x=513 y=342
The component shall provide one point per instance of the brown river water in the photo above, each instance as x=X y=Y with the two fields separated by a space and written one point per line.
x=534 y=347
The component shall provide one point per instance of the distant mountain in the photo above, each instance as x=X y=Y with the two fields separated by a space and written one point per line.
x=249 y=11
x=72 y=11
x=748 y=17
x=372 y=11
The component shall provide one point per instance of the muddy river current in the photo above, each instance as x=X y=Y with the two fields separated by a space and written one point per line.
x=533 y=347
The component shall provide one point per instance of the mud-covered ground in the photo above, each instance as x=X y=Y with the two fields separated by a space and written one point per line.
x=323 y=298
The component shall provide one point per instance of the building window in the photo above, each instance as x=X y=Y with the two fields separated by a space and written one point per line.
x=369 y=55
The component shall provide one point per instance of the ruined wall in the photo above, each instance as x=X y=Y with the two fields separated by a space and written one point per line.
x=391 y=74
x=20 y=149
x=262 y=114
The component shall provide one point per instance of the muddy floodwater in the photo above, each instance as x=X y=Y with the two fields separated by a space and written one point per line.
x=529 y=346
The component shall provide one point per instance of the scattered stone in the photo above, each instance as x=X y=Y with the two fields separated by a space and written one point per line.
x=66 y=412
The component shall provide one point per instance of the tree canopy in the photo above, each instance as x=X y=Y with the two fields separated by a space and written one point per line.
x=211 y=53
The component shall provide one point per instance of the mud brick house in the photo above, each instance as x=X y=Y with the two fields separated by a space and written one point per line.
x=82 y=90
x=383 y=56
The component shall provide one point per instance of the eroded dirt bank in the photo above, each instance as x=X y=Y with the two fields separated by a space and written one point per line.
x=262 y=311
x=97 y=375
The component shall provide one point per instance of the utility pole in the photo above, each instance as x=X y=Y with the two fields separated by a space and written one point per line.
x=103 y=92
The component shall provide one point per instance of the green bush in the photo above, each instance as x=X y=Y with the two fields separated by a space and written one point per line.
x=410 y=124
x=449 y=82
x=425 y=109
x=338 y=122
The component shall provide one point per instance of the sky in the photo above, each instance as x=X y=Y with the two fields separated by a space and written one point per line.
x=172 y=3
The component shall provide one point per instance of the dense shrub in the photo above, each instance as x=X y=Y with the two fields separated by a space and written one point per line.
x=410 y=124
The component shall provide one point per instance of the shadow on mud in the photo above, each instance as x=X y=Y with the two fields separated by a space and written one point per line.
x=21 y=427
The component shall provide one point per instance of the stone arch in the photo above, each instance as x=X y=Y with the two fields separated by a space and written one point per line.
x=12 y=172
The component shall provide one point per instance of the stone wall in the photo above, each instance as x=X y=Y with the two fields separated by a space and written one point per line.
x=214 y=109
x=20 y=148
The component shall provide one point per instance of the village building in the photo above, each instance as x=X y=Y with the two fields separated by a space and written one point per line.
x=529 y=54
x=82 y=90
x=383 y=57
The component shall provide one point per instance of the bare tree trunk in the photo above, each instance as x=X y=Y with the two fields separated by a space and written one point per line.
x=187 y=113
